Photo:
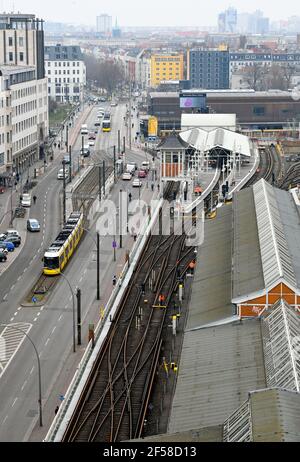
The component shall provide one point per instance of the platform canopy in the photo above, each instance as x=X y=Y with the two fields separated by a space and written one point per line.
x=202 y=140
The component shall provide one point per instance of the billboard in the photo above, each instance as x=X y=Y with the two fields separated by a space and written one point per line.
x=152 y=126
x=193 y=101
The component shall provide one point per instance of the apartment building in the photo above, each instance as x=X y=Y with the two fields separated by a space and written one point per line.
x=23 y=93
x=169 y=66
x=208 y=69
x=66 y=73
x=238 y=61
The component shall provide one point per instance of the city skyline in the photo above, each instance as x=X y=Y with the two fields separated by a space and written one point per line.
x=168 y=13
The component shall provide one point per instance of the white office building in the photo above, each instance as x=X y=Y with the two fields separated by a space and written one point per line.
x=66 y=73
x=104 y=24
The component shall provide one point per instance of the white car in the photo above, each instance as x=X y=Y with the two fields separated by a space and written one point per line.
x=137 y=183
x=126 y=176
x=91 y=142
x=26 y=200
x=60 y=175
x=13 y=232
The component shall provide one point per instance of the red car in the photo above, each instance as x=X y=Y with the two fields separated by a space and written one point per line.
x=142 y=174
x=92 y=136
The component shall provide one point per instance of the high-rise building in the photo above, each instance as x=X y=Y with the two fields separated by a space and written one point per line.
x=104 y=24
x=208 y=69
x=169 y=66
x=23 y=93
x=227 y=21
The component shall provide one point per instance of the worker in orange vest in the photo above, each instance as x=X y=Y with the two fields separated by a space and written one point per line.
x=192 y=266
x=161 y=300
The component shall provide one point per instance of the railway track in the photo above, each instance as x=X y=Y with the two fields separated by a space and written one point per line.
x=291 y=178
x=269 y=164
x=87 y=191
x=114 y=403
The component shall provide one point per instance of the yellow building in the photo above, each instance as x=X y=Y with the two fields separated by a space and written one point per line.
x=166 y=67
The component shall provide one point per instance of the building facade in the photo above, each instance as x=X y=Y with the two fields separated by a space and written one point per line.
x=23 y=94
x=66 y=72
x=208 y=69
x=166 y=67
x=238 y=61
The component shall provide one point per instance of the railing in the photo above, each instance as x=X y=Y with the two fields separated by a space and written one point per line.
x=76 y=387
x=237 y=428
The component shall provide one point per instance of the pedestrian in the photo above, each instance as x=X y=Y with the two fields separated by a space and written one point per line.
x=152 y=186
x=130 y=197
x=134 y=237
x=143 y=288
x=56 y=410
x=120 y=279
x=58 y=145
x=34 y=199
x=55 y=145
x=114 y=280
x=158 y=187
x=192 y=266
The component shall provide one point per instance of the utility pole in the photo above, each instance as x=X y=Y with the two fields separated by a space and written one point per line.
x=120 y=218
x=64 y=192
x=82 y=145
x=100 y=187
x=114 y=164
x=104 y=178
x=119 y=142
x=78 y=316
x=130 y=108
x=67 y=135
x=71 y=169
x=98 y=266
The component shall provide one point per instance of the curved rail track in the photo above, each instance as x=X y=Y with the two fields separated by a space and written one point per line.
x=114 y=403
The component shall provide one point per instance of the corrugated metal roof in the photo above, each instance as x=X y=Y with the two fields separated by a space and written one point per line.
x=217 y=369
x=201 y=435
x=281 y=337
x=211 y=291
x=219 y=137
x=275 y=415
x=275 y=255
x=247 y=267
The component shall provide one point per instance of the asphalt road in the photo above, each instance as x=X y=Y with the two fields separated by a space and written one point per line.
x=51 y=329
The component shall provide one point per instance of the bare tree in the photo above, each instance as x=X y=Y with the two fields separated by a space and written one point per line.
x=254 y=76
x=104 y=74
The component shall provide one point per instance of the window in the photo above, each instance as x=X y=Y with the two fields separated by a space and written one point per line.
x=259 y=110
x=21 y=56
x=11 y=56
x=10 y=41
x=21 y=41
x=1 y=158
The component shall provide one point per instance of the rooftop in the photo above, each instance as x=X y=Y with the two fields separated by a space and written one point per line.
x=63 y=53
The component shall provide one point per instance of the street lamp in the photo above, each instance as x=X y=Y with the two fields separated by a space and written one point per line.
x=97 y=243
x=39 y=367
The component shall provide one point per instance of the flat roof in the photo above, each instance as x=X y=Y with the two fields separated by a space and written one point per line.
x=208 y=120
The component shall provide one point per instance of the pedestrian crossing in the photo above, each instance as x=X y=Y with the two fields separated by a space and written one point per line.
x=11 y=339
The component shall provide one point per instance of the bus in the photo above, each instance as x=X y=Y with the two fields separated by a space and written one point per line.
x=106 y=123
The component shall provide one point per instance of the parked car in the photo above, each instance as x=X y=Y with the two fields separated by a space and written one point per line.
x=3 y=256
x=8 y=246
x=33 y=225
x=26 y=200
x=136 y=183
x=113 y=104
x=14 y=239
x=126 y=176
x=60 y=174
x=91 y=143
x=92 y=136
x=142 y=174
x=13 y=232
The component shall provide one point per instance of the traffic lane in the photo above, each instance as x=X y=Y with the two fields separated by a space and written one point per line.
x=56 y=319
x=26 y=269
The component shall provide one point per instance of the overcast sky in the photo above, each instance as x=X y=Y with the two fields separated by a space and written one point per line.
x=148 y=12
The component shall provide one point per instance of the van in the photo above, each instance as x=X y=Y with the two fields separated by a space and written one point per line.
x=130 y=168
x=84 y=129
x=145 y=166
x=26 y=200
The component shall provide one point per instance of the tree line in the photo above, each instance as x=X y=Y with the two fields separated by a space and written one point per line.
x=105 y=74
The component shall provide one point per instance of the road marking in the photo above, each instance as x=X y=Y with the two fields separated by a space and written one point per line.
x=12 y=319
x=54 y=329
x=31 y=371
x=48 y=340
x=5 y=297
x=35 y=319
x=12 y=287
x=42 y=307
x=71 y=296
x=15 y=313
x=19 y=278
x=24 y=385
x=19 y=309
x=14 y=402
x=60 y=318
x=10 y=342
x=5 y=419
x=38 y=314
